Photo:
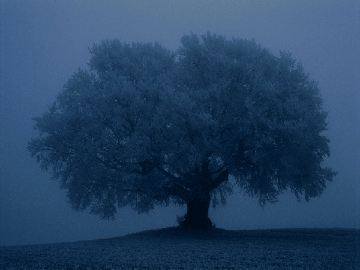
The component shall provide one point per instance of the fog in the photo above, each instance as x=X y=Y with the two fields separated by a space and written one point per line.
x=42 y=43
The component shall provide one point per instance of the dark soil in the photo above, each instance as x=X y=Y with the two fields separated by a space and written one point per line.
x=175 y=248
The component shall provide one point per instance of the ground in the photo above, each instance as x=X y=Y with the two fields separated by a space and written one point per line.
x=174 y=248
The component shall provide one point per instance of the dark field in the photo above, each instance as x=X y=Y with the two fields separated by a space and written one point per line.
x=174 y=248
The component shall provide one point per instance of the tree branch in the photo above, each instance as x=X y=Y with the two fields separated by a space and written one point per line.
x=222 y=177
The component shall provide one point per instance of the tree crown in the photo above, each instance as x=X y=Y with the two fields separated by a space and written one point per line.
x=147 y=126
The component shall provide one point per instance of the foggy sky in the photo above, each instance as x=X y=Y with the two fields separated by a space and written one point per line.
x=42 y=43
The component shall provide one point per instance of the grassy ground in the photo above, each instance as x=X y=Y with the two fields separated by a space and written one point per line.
x=174 y=248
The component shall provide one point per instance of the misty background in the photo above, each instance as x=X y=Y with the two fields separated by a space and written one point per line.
x=43 y=43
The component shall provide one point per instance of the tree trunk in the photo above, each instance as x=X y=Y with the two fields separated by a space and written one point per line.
x=197 y=214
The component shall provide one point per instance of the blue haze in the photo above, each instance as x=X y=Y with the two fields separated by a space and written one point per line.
x=42 y=43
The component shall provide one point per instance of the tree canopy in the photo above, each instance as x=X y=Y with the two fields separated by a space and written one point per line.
x=145 y=126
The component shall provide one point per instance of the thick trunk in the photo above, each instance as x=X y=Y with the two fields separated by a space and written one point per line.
x=197 y=214
x=195 y=191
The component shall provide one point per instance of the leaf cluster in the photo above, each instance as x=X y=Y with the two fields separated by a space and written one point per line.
x=146 y=126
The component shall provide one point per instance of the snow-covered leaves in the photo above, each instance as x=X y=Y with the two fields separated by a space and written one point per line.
x=146 y=126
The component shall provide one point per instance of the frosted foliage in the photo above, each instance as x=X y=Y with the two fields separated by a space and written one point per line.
x=145 y=126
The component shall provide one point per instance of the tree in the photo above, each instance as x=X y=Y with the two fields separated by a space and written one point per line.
x=146 y=126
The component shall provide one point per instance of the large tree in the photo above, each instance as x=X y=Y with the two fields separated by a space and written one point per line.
x=145 y=126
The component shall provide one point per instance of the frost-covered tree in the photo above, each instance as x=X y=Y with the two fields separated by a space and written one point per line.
x=146 y=126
